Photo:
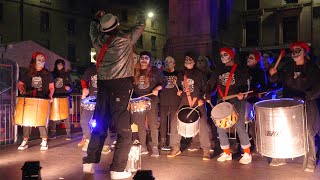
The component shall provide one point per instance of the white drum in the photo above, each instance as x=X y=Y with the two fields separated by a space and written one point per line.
x=188 y=126
x=134 y=159
x=281 y=128
x=89 y=103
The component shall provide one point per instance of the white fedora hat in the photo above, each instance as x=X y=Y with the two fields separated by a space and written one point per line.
x=108 y=22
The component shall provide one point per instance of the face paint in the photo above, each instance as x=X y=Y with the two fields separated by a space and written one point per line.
x=225 y=57
x=158 y=63
x=297 y=53
x=144 y=61
x=59 y=66
x=40 y=60
x=188 y=62
x=251 y=61
x=169 y=64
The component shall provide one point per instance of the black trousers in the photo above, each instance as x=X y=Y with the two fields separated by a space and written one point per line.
x=53 y=125
x=111 y=109
x=165 y=111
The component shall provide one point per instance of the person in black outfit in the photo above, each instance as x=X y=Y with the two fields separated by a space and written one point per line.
x=63 y=86
x=169 y=100
x=192 y=95
x=147 y=79
x=300 y=81
x=37 y=83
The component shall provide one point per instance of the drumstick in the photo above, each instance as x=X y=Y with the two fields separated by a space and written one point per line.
x=211 y=105
x=279 y=58
x=145 y=95
x=192 y=111
x=177 y=86
x=235 y=95
x=128 y=106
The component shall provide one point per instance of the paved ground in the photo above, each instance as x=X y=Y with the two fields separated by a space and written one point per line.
x=63 y=160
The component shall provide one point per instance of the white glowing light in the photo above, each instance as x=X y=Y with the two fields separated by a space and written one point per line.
x=150 y=14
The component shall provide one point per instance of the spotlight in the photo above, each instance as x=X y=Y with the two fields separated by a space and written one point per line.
x=150 y=14
x=31 y=170
x=143 y=175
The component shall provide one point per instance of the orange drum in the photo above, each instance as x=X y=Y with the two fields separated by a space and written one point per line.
x=32 y=112
x=59 y=109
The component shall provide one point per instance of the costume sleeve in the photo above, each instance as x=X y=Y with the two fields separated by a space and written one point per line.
x=136 y=31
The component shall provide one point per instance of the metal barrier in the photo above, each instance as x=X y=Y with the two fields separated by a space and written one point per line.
x=6 y=124
x=75 y=110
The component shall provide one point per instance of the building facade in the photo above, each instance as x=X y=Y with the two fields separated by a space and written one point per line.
x=61 y=26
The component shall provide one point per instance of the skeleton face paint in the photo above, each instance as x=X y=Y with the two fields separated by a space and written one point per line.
x=297 y=53
x=201 y=63
x=188 y=62
x=225 y=57
x=158 y=63
x=169 y=64
x=40 y=60
x=59 y=66
x=251 y=61
x=144 y=61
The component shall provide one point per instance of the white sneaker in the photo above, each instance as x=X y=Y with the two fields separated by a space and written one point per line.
x=106 y=149
x=113 y=144
x=44 y=146
x=120 y=175
x=225 y=157
x=23 y=145
x=88 y=168
x=246 y=159
x=85 y=145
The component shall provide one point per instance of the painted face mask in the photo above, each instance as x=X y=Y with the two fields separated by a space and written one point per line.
x=40 y=61
x=188 y=62
x=225 y=57
x=169 y=64
x=251 y=61
x=144 y=61
x=59 y=66
x=296 y=53
x=202 y=62
x=158 y=63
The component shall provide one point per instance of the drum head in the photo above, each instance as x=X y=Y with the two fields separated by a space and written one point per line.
x=183 y=113
x=222 y=110
x=140 y=99
x=89 y=100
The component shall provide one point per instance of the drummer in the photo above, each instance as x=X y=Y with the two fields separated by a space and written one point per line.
x=232 y=79
x=148 y=79
x=38 y=83
x=63 y=86
x=300 y=80
x=192 y=85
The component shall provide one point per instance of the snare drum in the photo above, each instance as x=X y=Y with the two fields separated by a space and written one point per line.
x=140 y=104
x=89 y=103
x=59 y=109
x=188 y=126
x=32 y=112
x=224 y=115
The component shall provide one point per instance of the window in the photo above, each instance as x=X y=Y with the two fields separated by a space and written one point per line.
x=290 y=29
x=71 y=52
x=140 y=42
x=290 y=1
x=44 y=21
x=153 y=42
x=1 y=11
x=252 y=33
x=316 y=12
x=124 y=15
x=71 y=26
x=72 y=4
x=45 y=43
x=46 y=1
x=153 y=24
x=223 y=12
x=253 y=4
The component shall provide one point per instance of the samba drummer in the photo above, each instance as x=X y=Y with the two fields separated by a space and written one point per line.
x=63 y=86
x=37 y=83
x=192 y=82
x=232 y=79
x=299 y=79
x=148 y=79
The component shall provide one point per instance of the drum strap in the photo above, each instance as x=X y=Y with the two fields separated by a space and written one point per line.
x=233 y=69
x=103 y=50
x=190 y=101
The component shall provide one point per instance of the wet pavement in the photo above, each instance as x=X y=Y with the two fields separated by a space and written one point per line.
x=63 y=160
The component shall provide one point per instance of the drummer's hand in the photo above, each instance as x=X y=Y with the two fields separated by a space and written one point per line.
x=67 y=88
x=85 y=93
x=200 y=102
x=179 y=93
x=51 y=99
x=273 y=71
x=155 y=92
x=99 y=14
x=240 y=96
x=23 y=91
x=208 y=101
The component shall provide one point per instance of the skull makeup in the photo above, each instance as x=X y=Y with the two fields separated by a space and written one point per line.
x=203 y=63
x=40 y=60
x=225 y=57
x=144 y=61
x=59 y=66
x=188 y=62
x=169 y=63
x=297 y=53
x=251 y=60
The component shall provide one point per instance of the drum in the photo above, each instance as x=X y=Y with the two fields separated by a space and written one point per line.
x=59 y=109
x=188 y=126
x=134 y=159
x=249 y=113
x=281 y=128
x=89 y=103
x=32 y=112
x=140 y=104
x=224 y=115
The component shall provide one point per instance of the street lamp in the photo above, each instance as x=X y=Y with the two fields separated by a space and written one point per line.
x=150 y=14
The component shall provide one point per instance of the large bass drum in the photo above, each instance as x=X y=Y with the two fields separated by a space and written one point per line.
x=188 y=126
x=59 y=109
x=281 y=128
x=32 y=112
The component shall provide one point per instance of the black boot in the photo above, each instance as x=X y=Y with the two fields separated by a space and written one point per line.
x=53 y=134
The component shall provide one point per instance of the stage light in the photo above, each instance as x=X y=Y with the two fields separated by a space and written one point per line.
x=150 y=14
x=93 y=123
